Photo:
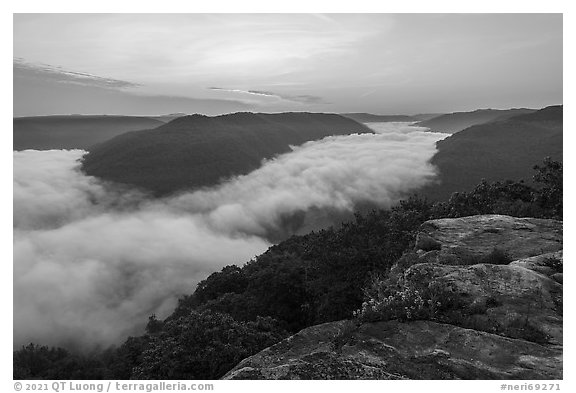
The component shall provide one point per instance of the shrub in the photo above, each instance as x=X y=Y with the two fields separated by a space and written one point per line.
x=203 y=345
x=550 y=194
x=429 y=301
x=40 y=362
x=555 y=264
x=544 y=199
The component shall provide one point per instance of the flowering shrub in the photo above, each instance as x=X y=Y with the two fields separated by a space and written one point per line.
x=407 y=301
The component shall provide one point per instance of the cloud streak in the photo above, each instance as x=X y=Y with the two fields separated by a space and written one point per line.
x=62 y=91
x=422 y=66
x=301 y=98
x=92 y=262
x=61 y=75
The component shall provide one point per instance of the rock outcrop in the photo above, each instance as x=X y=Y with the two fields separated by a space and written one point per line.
x=549 y=264
x=508 y=325
x=458 y=240
x=394 y=350
x=507 y=300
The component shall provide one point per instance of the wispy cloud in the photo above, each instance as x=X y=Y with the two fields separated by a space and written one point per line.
x=302 y=98
x=59 y=74
x=417 y=61
x=59 y=90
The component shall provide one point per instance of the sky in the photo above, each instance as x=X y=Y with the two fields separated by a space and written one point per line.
x=152 y=64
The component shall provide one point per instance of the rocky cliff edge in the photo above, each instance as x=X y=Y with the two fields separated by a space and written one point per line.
x=507 y=275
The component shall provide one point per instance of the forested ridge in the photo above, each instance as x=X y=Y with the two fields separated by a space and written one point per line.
x=197 y=151
x=505 y=148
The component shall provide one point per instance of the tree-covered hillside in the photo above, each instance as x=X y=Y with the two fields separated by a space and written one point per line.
x=454 y=122
x=496 y=151
x=196 y=151
x=73 y=131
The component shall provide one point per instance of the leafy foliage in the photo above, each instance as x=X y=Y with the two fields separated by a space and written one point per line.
x=555 y=264
x=314 y=278
x=549 y=197
x=203 y=345
x=406 y=301
x=510 y=197
x=41 y=362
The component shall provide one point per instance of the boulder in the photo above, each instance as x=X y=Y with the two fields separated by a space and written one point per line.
x=549 y=264
x=508 y=300
x=465 y=240
x=395 y=350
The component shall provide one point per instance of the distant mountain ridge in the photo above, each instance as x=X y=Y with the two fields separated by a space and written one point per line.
x=372 y=118
x=458 y=121
x=197 y=151
x=500 y=150
x=552 y=115
x=425 y=116
x=169 y=117
x=73 y=131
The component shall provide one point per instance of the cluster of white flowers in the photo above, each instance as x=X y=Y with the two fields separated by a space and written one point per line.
x=407 y=304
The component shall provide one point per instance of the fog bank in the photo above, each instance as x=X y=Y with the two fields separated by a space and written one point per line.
x=92 y=261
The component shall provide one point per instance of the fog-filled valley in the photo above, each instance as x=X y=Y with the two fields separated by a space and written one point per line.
x=92 y=259
x=287 y=196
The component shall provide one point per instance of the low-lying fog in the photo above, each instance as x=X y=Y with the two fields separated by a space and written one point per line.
x=92 y=262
